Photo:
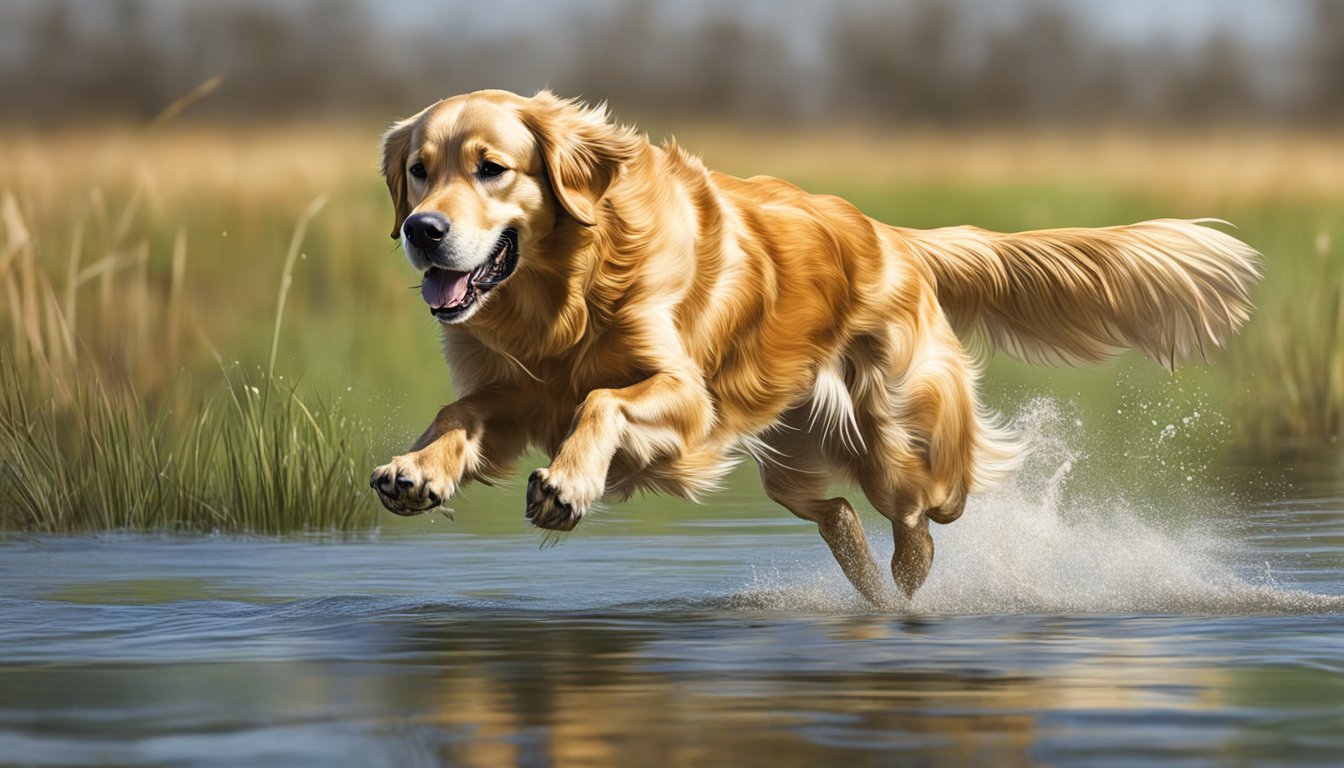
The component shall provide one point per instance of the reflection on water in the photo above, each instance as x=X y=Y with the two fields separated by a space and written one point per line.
x=1058 y=626
x=470 y=686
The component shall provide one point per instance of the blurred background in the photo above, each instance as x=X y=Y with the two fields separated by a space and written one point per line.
x=1254 y=62
x=173 y=174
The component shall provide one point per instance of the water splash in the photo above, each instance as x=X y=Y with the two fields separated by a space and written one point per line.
x=1031 y=546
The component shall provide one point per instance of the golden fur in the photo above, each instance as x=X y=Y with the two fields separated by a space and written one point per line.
x=665 y=319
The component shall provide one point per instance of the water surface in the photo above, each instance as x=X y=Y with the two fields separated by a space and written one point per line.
x=1058 y=627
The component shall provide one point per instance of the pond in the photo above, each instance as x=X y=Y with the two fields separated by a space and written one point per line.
x=1063 y=623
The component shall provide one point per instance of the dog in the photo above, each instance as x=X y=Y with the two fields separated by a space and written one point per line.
x=648 y=322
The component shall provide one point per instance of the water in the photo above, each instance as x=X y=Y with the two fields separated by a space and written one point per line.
x=1061 y=624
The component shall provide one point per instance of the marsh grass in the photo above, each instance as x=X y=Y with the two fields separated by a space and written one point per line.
x=252 y=458
x=1291 y=363
x=82 y=447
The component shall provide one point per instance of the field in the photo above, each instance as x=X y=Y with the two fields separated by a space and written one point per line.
x=209 y=329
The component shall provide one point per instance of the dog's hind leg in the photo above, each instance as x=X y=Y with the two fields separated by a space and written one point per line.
x=902 y=494
x=912 y=556
x=927 y=443
x=801 y=492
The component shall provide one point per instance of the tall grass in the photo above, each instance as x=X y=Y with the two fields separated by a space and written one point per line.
x=1291 y=364
x=83 y=448
x=253 y=458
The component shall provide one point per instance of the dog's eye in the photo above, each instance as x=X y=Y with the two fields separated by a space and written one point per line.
x=489 y=170
x=418 y=171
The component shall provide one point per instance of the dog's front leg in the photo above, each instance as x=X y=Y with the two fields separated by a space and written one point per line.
x=472 y=437
x=662 y=415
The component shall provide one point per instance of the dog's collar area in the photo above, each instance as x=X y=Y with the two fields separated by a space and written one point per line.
x=450 y=294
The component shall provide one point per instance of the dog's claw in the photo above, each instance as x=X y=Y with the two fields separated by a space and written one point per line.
x=545 y=508
x=408 y=488
x=382 y=481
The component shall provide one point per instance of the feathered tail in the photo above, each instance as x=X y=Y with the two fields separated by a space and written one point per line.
x=1170 y=288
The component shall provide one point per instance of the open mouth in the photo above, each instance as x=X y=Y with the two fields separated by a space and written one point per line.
x=450 y=294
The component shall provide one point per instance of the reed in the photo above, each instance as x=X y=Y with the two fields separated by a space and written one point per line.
x=82 y=447
x=1291 y=363
x=255 y=458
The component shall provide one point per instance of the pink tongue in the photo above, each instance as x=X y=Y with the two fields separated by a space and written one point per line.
x=444 y=288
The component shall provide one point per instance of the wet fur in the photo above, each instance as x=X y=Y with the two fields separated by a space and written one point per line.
x=665 y=319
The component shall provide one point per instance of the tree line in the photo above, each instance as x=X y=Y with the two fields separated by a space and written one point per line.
x=930 y=61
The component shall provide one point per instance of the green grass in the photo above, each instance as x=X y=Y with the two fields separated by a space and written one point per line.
x=253 y=457
x=1289 y=367
x=85 y=447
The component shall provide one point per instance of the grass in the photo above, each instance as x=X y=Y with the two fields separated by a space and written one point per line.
x=83 y=448
x=254 y=458
x=1291 y=362
x=163 y=293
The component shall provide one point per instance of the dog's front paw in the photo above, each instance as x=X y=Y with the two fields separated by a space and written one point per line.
x=408 y=486
x=555 y=502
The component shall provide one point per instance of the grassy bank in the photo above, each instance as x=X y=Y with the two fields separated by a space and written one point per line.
x=251 y=457
x=141 y=274
x=104 y=426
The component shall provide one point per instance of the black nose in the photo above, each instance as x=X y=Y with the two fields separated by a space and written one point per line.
x=425 y=230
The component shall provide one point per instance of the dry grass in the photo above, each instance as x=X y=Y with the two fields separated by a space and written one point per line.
x=1214 y=168
x=164 y=249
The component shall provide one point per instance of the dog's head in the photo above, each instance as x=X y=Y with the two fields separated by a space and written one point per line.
x=479 y=181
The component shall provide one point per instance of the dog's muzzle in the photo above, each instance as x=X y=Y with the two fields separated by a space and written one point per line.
x=450 y=293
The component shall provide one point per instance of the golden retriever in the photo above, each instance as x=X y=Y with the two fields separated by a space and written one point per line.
x=646 y=322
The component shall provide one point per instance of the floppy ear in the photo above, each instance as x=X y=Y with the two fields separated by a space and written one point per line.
x=582 y=149
x=396 y=146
